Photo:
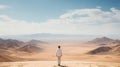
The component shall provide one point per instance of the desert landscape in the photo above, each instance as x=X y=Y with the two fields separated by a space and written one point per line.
x=59 y=33
x=96 y=52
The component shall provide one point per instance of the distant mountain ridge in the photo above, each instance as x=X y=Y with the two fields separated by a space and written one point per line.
x=104 y=41
x=10 y=43
x=33 y=41
x=107 y=46
x=20 y=45
x=9 y=47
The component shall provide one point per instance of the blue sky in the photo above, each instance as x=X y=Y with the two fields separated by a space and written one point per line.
x=40 y=10
x=90 y=17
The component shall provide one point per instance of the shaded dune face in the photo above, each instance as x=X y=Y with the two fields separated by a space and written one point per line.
x=114 y=50
x=100 y=50
x=4 y=58
x=30 y=48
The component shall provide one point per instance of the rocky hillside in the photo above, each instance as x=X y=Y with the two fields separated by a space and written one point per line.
x=9 y=48
x=31 y=48
x=104 y=41
x=33 y=41
x=10 y=43
x=20 y=45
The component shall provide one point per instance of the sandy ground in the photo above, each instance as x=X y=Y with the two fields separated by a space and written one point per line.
x=71 y=52
x=54 y=64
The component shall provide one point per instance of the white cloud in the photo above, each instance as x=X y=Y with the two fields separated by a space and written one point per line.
x=7 y=18
x=80 y=21
x=3 y=6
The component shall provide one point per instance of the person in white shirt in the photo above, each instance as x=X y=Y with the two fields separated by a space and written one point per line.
x=59 y=55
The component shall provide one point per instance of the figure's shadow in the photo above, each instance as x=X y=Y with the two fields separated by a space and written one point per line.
x=61 y=66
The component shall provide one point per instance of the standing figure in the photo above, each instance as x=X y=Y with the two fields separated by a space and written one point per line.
x=59 y=55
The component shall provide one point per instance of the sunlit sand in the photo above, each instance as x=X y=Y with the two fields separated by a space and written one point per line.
x=54 y=64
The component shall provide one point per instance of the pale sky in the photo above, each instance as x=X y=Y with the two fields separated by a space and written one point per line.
x=89 y=17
